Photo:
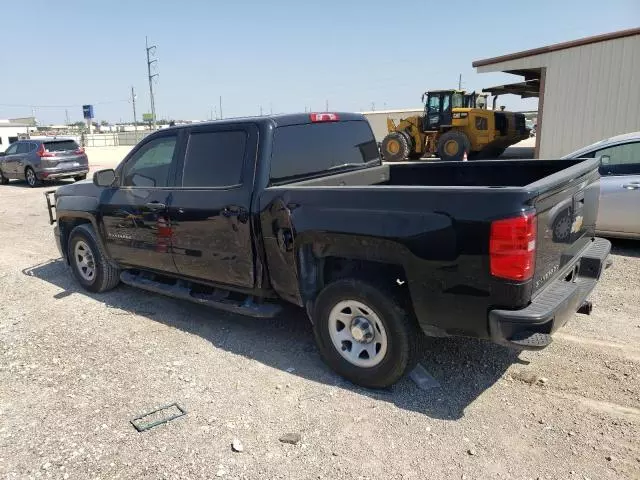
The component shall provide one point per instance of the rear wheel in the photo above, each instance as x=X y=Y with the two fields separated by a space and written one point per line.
x=452 y=145
x=31 y=178
x=79 y=178
x=395 y=147
x=88 y=261
x=364 y=333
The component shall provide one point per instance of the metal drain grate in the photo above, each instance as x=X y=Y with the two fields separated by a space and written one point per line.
x=158 y=417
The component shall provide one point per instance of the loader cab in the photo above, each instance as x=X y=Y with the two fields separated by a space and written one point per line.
x=438 y=108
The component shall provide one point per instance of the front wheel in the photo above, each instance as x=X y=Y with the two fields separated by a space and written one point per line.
x=3 y=180
x=364 y=334
x=88 y=262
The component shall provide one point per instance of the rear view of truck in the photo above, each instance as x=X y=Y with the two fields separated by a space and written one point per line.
x=380 y=254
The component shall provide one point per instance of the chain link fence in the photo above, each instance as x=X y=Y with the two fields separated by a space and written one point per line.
x=114 y=139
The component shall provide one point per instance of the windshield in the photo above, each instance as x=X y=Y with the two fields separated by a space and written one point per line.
x=60 y=146
x=433 y=105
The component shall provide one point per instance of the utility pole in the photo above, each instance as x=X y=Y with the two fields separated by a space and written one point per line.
x=373 y=106
x=270 y=108
x=221 y=107
x=133 y=102
x=66 y=115
x=260 y=110
x=460 y=82
x=326 y=105
x=151 y=50
x=211 y=114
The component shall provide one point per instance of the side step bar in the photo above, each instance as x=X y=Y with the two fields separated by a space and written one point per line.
x=218 y=299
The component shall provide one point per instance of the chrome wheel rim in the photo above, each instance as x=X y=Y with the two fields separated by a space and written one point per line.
x=84 y=261
x=357 y=333
x=31 y=177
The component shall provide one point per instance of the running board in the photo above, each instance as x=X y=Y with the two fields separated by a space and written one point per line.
x=217 y=299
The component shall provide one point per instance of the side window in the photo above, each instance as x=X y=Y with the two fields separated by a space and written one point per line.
x=33 y=147
x=620 y=159
x=23 y=148
x=150 y=166
x=12 y=149
x=214 y=159
x=445 y=103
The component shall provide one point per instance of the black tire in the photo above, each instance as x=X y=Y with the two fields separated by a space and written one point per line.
x=31 y=178
x=3 y=180
x=402 y=333
x=395 y=147
x=79 y=178
x=450 y=140
x=106 y=276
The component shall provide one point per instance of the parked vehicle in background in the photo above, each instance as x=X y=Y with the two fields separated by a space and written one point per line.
x=243 y=214
x=619 y=213
x=39 y=160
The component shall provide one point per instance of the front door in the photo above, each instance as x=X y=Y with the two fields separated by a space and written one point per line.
x=210 y=212
x=9 y=161
x=620 y=189
x=135 y=213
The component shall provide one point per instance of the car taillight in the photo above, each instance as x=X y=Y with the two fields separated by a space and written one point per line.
x=512 y=247
x=79 y=151
x=324 y=117
x=42 y=152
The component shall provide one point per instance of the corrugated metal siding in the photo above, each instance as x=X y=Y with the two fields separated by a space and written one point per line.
x=592 y=92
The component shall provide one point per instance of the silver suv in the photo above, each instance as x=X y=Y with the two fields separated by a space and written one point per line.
x=38 y=160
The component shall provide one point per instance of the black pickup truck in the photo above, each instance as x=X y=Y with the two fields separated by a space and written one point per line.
x=242 y=214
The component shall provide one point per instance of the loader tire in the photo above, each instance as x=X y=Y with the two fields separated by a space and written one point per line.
x=395 y=147
x=452 y=145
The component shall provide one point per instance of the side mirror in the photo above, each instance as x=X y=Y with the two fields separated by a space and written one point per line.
x=104 y=178
x=2 y=154
x=605 y=159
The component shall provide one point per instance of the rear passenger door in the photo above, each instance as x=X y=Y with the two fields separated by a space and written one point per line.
x=210 y=211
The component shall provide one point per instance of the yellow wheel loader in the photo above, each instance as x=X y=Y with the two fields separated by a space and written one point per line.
x=453 y=123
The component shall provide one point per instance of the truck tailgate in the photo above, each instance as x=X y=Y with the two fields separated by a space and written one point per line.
x=567 y=208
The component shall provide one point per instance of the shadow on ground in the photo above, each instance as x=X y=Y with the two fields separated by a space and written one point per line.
x=628 y=248
x=44 y=185
x=464 y=368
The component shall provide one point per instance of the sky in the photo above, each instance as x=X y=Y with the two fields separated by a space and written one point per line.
x=281 y=56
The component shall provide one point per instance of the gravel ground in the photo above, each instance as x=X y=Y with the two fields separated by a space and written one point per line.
x=75 y=368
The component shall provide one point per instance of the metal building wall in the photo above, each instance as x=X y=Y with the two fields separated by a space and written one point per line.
x=591 y=92
x=378 y=120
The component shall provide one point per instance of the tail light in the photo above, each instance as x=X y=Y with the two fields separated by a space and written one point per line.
x=42 y=152
x=324 y=117
x=512 y=247
x=79 y=151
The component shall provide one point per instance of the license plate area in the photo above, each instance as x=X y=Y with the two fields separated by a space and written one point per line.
x=68 y=164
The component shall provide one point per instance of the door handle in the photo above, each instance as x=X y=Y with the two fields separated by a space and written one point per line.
x=631 y=186
x=155 y=206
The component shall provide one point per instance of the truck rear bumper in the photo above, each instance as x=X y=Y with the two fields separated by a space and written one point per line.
x=531 y=327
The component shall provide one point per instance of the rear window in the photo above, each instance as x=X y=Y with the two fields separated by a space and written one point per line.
x=305 y=150
x=60 y=146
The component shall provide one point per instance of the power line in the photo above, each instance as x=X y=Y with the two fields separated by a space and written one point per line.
x=30 y=105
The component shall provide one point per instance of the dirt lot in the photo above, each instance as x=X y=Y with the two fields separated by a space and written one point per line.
x=76 y=368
